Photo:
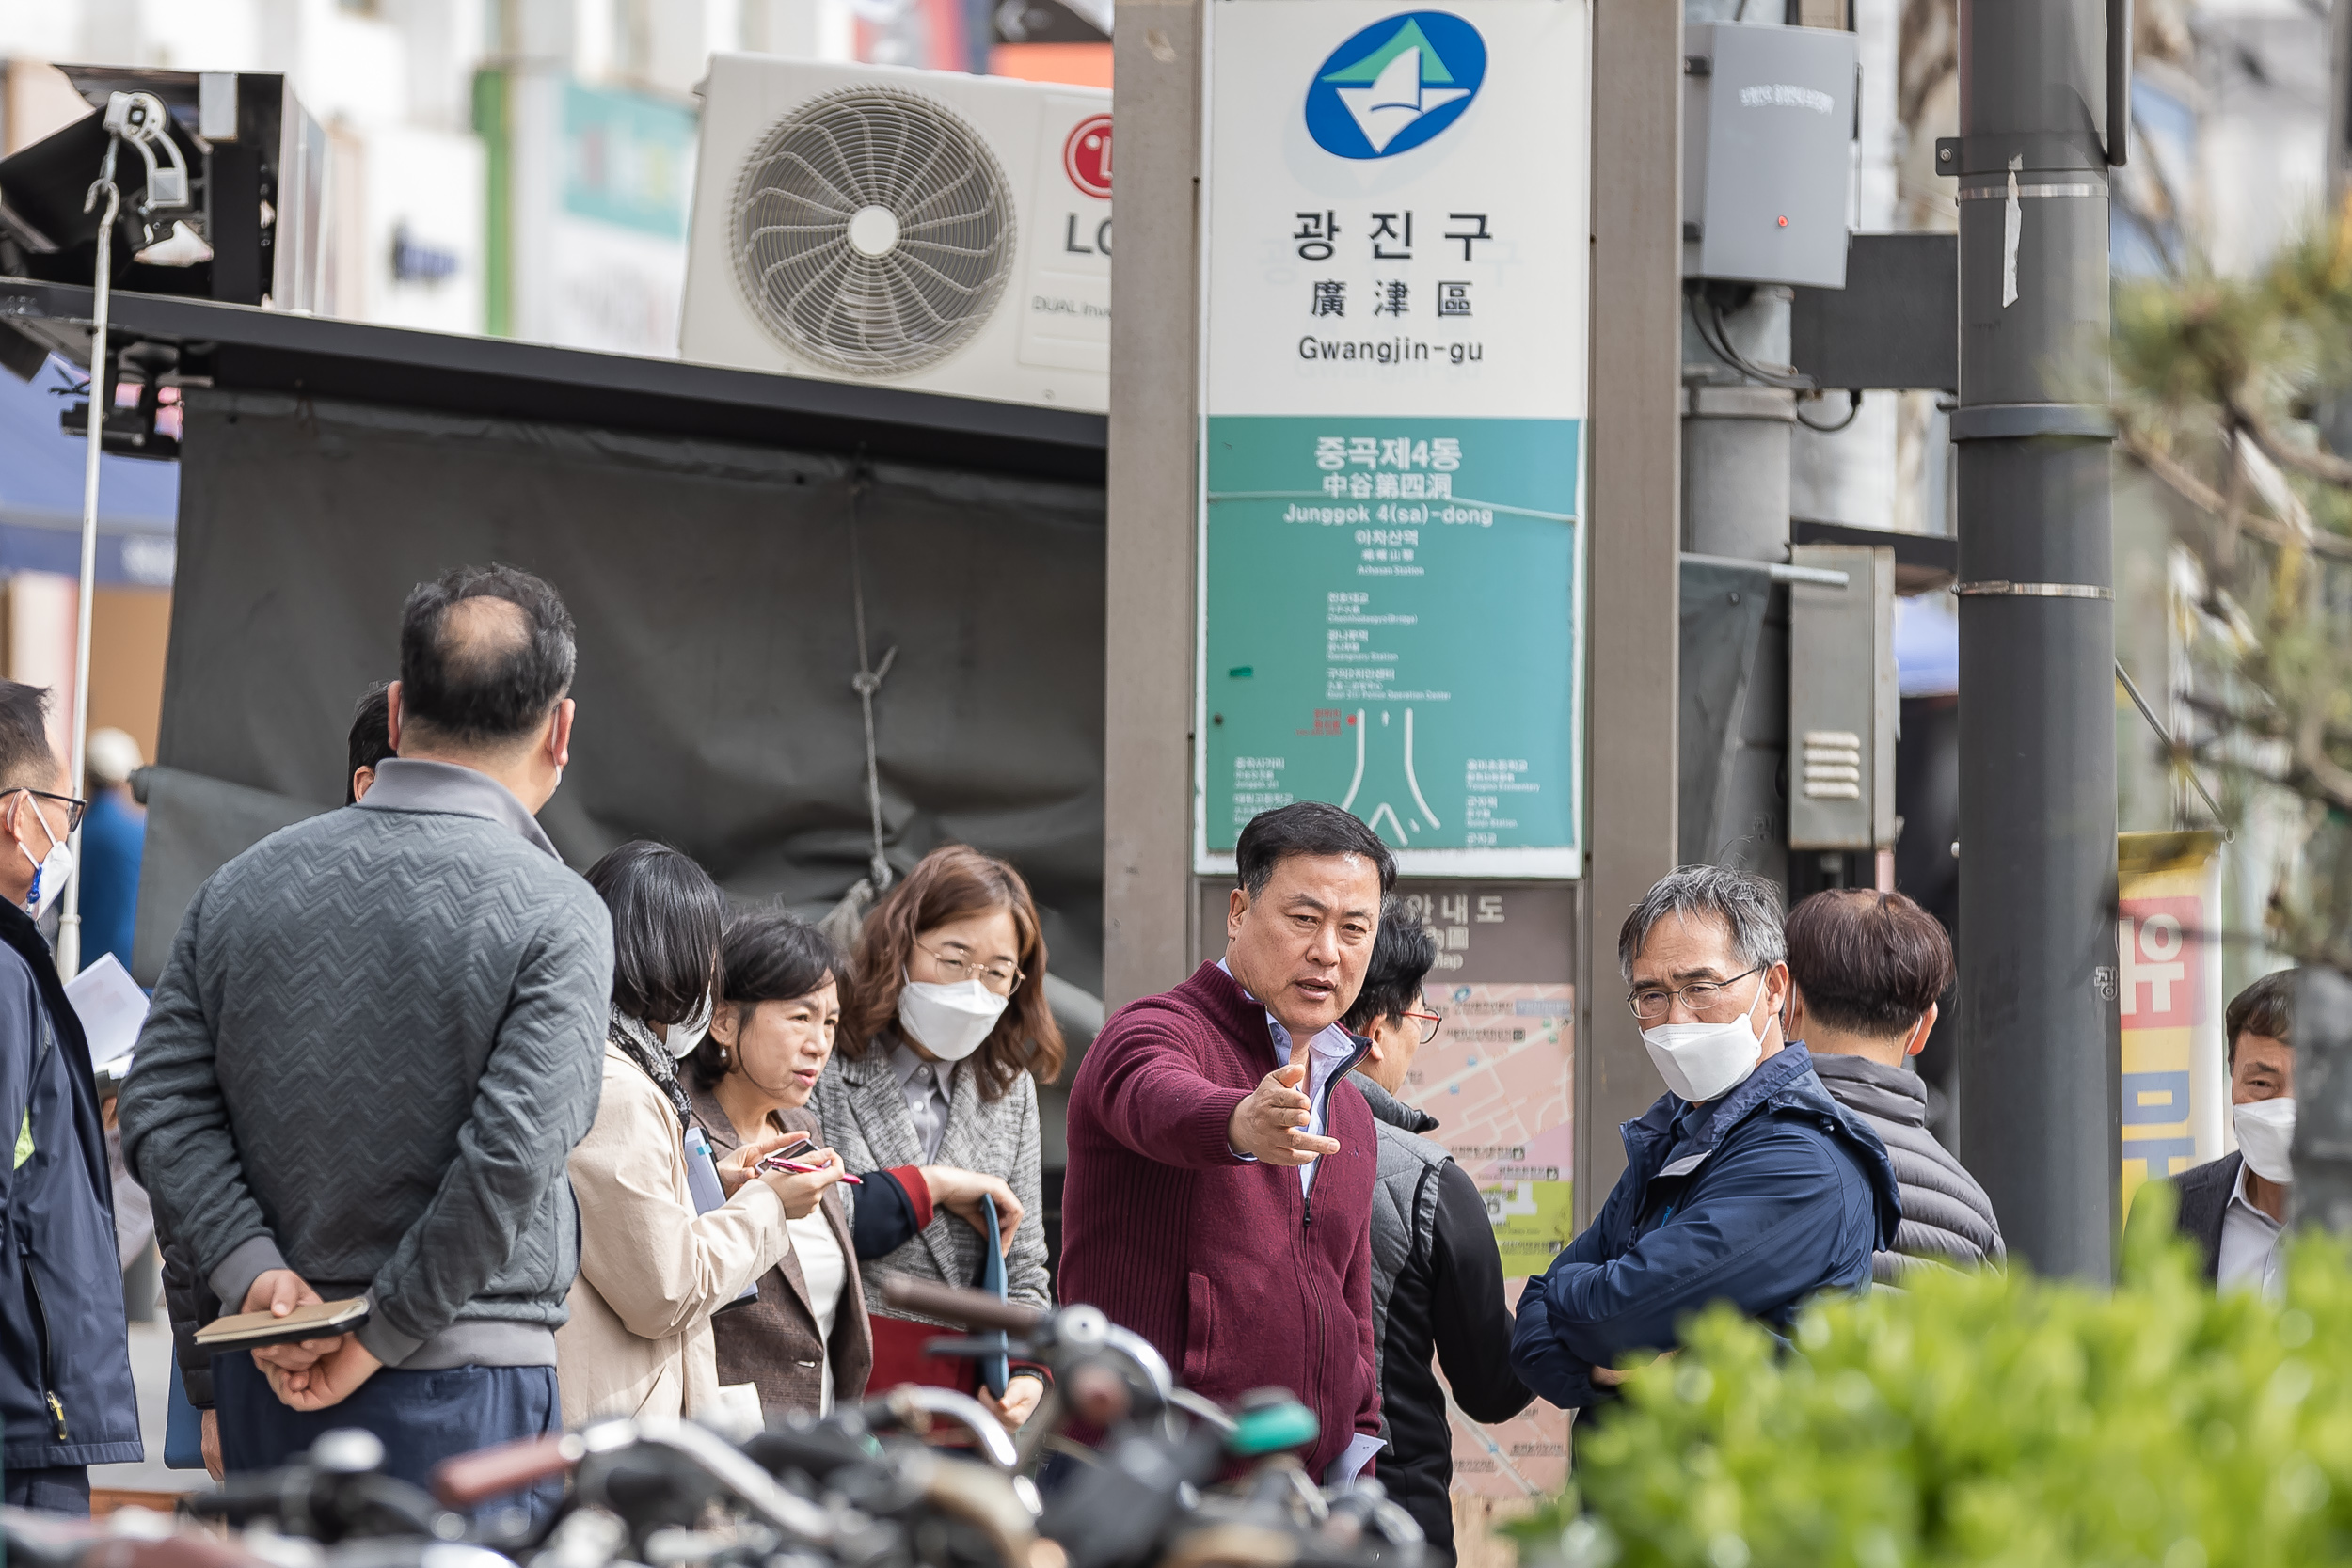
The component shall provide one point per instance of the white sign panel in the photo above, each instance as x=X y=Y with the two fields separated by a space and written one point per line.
x=1397 y=208
x=1391 y=458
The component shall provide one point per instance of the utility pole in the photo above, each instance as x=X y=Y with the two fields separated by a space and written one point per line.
x=1635 y=498
x=2339 y=98
x=2321 y=1190
x=2041 y=121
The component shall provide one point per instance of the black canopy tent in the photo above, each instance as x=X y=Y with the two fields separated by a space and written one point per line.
x=701 y=523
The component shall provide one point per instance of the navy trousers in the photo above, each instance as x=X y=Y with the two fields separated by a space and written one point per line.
x=57 y=1489
x=421 y=1417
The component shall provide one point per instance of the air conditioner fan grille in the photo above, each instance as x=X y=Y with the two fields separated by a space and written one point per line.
x=873 y=230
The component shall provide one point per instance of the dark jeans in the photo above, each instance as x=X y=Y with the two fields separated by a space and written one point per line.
x=421 y=1417
x=57 y=1489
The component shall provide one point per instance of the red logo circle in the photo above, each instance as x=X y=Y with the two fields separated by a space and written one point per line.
x=1085 y=157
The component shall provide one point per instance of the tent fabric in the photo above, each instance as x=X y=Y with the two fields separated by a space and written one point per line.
x=712 y=588
x=195 y=826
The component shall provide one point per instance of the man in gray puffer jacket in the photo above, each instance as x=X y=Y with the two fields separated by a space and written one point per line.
x=1436 y=1274
x=1865 y=970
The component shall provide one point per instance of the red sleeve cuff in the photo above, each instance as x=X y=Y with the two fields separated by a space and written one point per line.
x=1212 y=1127
x=910 y=1180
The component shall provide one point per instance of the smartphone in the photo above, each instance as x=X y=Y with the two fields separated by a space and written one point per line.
x=323 y=1319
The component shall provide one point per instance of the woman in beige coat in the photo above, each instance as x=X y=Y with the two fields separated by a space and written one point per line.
x=657 y=1257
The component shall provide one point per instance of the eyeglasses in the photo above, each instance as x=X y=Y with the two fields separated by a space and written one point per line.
x=1652 y=1003
x=74 y=806
x=955 y=968
x=1430 y=1023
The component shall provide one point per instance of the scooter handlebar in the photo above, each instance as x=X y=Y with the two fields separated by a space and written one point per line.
x=971 y=1308
x=471 y=1479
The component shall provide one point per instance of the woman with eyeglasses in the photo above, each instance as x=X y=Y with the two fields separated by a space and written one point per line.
x=803 y=1343
x=944 y=1039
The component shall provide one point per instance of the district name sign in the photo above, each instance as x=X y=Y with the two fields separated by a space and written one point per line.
x=1391 y=480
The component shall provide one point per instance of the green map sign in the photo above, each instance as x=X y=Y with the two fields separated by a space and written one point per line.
x=1391 y=608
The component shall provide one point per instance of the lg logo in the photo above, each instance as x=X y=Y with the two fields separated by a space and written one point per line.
x=1085 y=157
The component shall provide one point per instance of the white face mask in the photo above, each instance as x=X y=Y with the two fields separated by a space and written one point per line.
x=682 y=1037
x=50 y=873
x=950 y=1022
x=1701 y=1061
x=2265 y=1131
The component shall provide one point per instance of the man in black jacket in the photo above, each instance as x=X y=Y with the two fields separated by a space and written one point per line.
x=66 y=1398
x=1437 y=1277
x=2235 y=1208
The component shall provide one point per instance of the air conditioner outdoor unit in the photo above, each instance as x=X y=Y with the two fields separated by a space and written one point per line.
x=917 y=228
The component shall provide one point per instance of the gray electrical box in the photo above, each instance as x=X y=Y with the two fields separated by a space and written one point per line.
x=1767 y=152
x=1844 y=701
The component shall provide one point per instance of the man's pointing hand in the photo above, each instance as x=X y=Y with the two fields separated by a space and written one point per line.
x=1271 y=1124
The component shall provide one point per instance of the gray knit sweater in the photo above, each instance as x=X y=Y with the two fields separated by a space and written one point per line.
x=379 y=1035
x=1947 y=1217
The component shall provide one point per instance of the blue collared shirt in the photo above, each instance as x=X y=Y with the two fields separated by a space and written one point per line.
x=1326 y=1054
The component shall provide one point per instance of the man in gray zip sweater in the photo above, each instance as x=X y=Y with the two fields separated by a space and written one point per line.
x=378 y=1037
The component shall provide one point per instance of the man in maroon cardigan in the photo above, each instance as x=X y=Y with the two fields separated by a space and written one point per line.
x=1218 y=1200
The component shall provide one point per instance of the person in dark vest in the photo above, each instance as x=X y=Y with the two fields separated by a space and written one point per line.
x=2235 y=1208
x=1218 y=1196
x=1437 y=1275
x=66 y=1395
x=1865 y=970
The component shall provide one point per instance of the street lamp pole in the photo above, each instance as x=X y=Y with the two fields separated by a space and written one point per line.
x=2044 y=114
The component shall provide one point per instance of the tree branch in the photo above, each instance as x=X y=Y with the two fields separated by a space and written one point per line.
x=2321 y=466
x=2313 y=762
x=2177 y=477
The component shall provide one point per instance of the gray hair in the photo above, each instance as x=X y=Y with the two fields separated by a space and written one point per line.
x=1748 y=906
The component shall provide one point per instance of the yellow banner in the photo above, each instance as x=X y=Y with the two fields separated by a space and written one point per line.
x=2175 y=1090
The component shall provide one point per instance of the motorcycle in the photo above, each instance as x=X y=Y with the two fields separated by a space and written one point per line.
x=1136 y=1472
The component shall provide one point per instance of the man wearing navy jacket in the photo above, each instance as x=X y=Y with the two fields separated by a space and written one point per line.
x=66 y=1396
x=1745 y=1182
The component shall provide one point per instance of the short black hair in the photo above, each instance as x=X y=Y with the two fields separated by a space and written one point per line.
x=1403 y=954
x=667 y=914
x=1866 y=961
x=482 y=680
x=371 y=735
x=2266 y=1007
x=25 y=760
x=1306 y=828
x=769 y=955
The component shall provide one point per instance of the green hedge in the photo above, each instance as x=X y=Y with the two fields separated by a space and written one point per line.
x=1988 y=1419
